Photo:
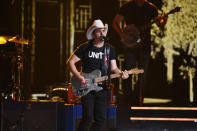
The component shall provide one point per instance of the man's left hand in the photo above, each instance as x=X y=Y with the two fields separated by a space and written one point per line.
x=162 y=20
x=124 y=75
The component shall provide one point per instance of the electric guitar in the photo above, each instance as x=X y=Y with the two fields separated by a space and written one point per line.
x=93 y=79
x=135 y=33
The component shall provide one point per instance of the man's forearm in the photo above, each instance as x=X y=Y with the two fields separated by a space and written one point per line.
x=116 y=24
x=117 y=28
x=117 y=71
x=74 y=70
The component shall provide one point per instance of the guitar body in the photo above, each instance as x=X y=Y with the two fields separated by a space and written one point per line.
x=133 y=34
x=93 y=79
x=79 y=90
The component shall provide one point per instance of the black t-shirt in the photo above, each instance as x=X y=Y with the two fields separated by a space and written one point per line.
x=139 y=16
x=92 y=56
x=134 y=14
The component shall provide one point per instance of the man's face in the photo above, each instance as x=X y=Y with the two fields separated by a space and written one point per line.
x=98 y=33
x=140 y=3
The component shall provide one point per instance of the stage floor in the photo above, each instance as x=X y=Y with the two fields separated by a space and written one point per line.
x=49 y=116
x=125 y=124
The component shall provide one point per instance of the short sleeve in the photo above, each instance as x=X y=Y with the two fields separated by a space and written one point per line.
x=79 y=52
x=112 y=53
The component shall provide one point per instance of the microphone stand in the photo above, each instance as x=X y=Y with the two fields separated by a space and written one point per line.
x=107 y=71
x=108 y=92
x=107 y=54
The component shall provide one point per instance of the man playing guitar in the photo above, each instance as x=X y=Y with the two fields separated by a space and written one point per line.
x=92 y=55
x=137 y=15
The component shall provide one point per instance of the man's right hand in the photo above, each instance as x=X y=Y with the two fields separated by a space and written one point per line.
x=83 y=81
x=130 y=36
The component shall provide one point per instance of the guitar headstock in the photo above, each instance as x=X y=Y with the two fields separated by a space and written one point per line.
x=177 y=9
x=135 y=71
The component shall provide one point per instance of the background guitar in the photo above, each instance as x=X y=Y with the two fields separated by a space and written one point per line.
x=135 y=34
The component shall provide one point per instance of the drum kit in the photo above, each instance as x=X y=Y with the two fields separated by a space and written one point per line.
x=12 y=48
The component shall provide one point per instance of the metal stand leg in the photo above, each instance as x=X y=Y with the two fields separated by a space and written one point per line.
x=2 y=108
x=17 y=93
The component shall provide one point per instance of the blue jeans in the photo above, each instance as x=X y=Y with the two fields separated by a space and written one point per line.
x=94 y=106
x=136 y=58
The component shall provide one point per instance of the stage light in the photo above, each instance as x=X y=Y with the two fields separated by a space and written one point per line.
x=2 y=40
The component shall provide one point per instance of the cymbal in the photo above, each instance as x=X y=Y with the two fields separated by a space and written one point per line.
x=3 y=39
x=19 y=40
x=15 y=39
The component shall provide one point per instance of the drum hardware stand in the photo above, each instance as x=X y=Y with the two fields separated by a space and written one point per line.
x=17 y=73
x=2 y=110
x=18 y=87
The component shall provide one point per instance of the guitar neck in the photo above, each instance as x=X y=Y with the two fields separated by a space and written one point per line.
x=104 y=78
x=148 y=25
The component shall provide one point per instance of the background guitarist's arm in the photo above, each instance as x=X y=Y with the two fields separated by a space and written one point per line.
x=116 y=24
x=118 y=19
x=71 y=64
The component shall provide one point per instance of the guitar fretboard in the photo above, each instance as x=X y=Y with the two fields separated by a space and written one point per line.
x=104 y=78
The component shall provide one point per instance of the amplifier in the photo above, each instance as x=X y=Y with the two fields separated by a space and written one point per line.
x=33 y=116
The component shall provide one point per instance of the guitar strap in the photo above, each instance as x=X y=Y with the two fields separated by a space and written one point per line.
x=106 y=67
x=109 y=67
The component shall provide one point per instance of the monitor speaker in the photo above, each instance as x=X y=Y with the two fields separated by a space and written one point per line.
x=33 y=116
